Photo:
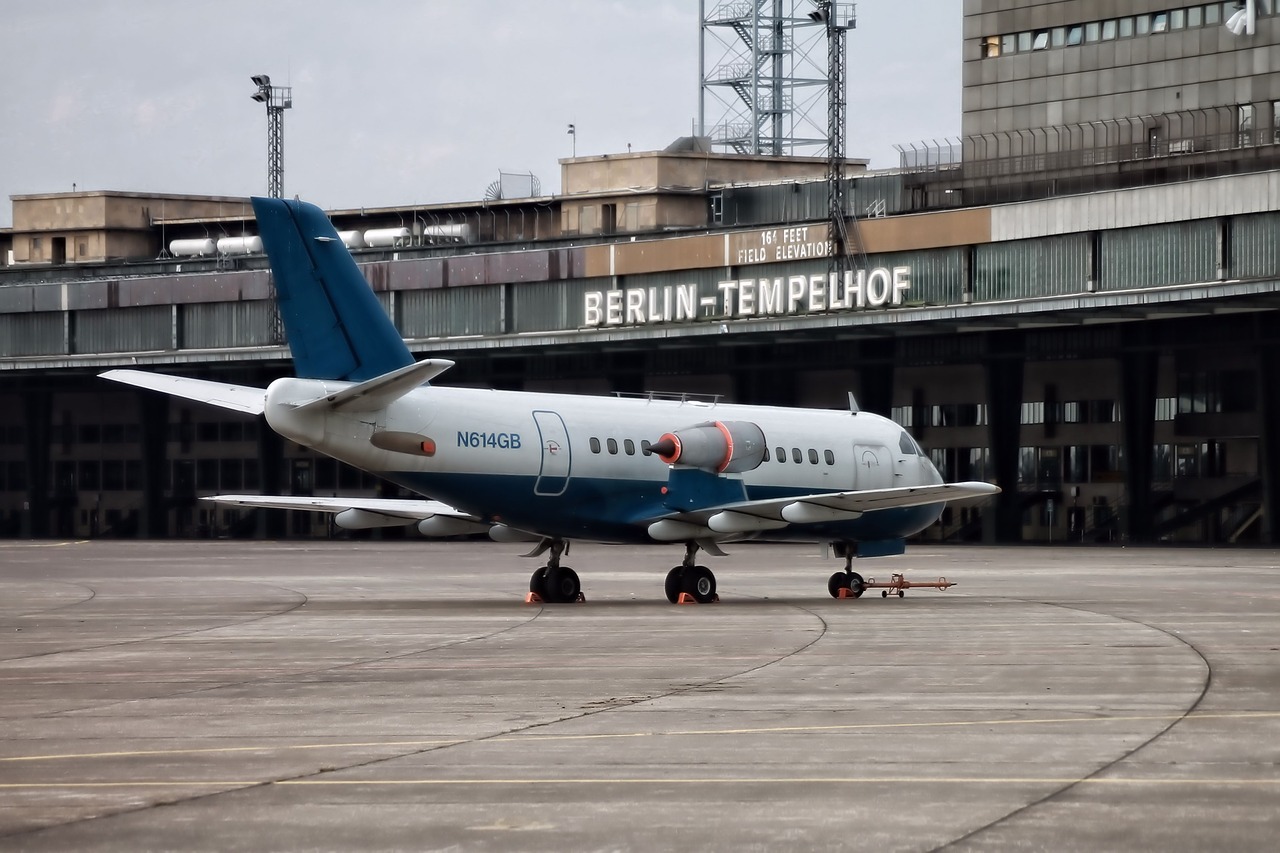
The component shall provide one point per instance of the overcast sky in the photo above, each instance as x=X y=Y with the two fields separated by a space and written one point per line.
x=401 y=102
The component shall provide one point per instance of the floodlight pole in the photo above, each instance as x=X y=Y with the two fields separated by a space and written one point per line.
x=277 y=99
x=839 y=18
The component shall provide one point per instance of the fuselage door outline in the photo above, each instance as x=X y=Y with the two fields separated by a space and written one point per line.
x=557 y=459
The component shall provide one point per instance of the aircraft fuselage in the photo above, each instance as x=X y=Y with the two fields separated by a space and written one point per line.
x=572 y=466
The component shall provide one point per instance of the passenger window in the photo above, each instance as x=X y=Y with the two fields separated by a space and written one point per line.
x=766 y=453
x=644 y=447
x=782 y=455
x=630 y=447
x=595 y=445
x=613 y=447
x=813 y=456
x=830 y=457
x=796 y=456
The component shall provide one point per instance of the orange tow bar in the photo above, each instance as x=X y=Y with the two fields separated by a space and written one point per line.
x=899 y=584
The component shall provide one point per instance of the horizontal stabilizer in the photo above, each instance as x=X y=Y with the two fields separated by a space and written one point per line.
x=377 y=393
x=239 y=398
x=409 y=509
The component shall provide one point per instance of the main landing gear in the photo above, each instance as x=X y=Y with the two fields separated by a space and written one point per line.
x=846 y=584
x=554 y=583
x=689 y=579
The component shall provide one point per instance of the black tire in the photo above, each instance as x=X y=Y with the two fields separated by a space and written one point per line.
x=701 y=584
x=675 y=584
x=538 y=583
x=835 y=583
x=563 y=585
x=856 y=584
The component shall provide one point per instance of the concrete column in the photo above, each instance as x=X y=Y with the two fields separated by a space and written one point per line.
x=271 y=522
x=1138 y=374
x=1269 y=441
x=1004 y=414
x=38 y=405
x=153 y=412
x=875 y=376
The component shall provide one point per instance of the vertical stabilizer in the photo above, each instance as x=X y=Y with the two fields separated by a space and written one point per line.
x=335 y=325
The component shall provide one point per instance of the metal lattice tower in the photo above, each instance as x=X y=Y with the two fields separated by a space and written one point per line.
x=837 y=19
x=761 y=76
x=278 y=99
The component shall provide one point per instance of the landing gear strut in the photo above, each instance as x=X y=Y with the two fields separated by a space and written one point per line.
x=846 y=584
x=554 y=583
x=688 y=578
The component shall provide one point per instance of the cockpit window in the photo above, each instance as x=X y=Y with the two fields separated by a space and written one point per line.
x=908 y=445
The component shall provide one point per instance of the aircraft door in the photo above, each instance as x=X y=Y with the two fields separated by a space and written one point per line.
x=874 y=466
x=553 y=476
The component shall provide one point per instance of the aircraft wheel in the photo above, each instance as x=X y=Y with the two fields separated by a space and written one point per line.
x=675 y=584
x=538 y=582
x=700 y=583
x=563 y=585
x=856 y=584
x=835 y=583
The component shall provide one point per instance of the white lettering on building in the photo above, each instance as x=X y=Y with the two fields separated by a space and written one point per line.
x=749 y=297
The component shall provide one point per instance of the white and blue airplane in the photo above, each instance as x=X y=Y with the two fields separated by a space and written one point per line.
x=552 y=468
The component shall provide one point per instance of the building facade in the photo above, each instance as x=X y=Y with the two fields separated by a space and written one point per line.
x=1092 y=328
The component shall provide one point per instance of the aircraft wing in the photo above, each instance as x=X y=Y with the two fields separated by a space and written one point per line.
x=410 y=509
x=239 y=398
x=773 y=513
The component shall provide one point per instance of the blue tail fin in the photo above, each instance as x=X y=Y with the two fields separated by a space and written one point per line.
x=336 y=327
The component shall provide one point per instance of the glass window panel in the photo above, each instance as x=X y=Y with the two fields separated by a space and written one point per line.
x=1075 y=35
x=829 y=457
x=1178 y=19
x=595 y=445
x=1142 y=24
x=630 y=447
x=1126 y=27
x=1212 y=13
x=813 y=456
x=1160 y=22
x=1093 y=31
x=796 y=456
x=1024 y=41
x=1109 y=30
x=613 y=447
x=1059 y=36
x=1041 y=41
x=991 y=47
x=1195 y=16
x=782 y=454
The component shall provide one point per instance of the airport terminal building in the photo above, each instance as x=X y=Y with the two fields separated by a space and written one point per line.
x=1081 y=307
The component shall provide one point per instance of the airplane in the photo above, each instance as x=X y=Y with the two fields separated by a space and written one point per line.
x=553 y=468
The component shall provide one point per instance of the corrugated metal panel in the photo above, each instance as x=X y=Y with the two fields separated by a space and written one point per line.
x=31 y=334
x=1025 y=268
x=228 y=324
x=1179 y=253
x=806 y=201
x=122 y=330
x=1255 y=246
x=551 y=305
x=450 y=311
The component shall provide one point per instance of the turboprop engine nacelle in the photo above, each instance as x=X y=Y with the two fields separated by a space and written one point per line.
x=726 y=447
